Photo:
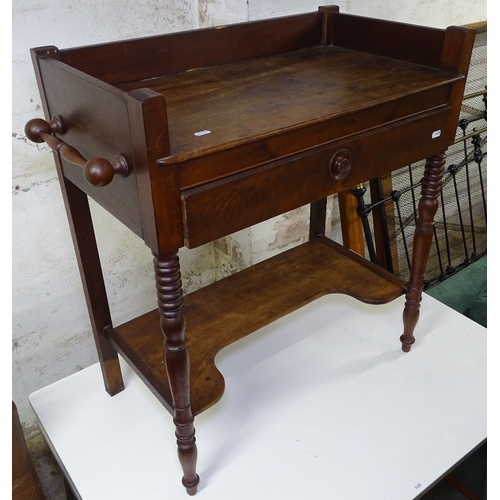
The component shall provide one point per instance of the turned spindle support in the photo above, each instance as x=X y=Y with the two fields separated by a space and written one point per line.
x=173 y=326
x=427 y=208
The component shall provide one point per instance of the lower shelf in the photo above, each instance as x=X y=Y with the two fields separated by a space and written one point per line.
x=232 y=308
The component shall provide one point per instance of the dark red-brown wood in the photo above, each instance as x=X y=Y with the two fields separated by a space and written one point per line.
x=97 y=171
x=288 y=102
x=152 y=57
x=222 y=128
x=173 y=328
x=427 y=207
x=241 y=200
x=218 y=315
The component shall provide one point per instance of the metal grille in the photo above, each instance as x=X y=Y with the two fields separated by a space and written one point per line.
x=460 y=224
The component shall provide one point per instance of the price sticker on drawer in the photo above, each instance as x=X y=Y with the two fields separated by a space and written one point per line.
x=436 y=134
x=202 y=132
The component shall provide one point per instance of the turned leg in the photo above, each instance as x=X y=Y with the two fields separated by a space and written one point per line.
x=427 y=207
x=173 y=326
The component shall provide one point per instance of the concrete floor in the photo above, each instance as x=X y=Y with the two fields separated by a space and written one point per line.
x=52 y=479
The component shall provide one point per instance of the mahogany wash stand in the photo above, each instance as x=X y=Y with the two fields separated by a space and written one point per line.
x=191 y=136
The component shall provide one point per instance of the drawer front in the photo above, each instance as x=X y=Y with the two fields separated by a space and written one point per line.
x=222 y=207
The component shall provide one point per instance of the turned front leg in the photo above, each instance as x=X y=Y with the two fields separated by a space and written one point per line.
x=427 y=208
x=173 y=326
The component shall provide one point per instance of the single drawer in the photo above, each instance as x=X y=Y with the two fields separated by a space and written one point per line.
x=222 y=207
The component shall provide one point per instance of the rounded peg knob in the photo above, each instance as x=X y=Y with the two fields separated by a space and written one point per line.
x=100 y=172
x=37 y=126
x=33 y=128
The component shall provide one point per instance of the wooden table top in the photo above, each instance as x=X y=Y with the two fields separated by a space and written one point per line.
x=210 y=109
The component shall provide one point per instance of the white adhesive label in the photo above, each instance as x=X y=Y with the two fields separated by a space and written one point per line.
x=202 y=132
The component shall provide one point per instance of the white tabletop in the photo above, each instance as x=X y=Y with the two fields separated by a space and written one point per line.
x=320 y=404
